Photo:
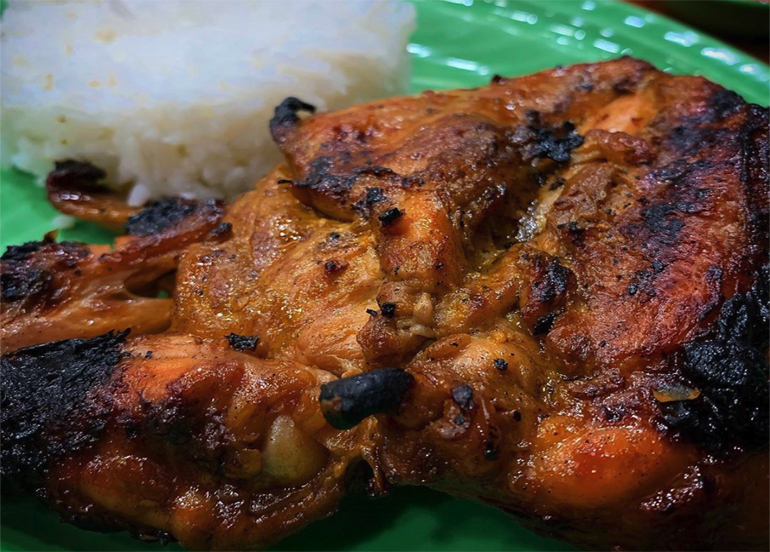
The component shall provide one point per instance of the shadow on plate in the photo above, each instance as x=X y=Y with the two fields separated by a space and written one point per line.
x=407 y=519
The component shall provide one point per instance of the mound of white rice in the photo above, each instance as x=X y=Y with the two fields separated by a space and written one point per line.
x=174 y=97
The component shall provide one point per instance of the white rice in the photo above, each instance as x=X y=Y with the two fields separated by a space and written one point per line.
x=174 y=97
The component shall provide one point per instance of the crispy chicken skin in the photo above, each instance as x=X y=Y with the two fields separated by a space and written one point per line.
x=549 y=294
x=55 y=290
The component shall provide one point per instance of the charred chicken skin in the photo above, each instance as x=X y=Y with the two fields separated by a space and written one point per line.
x=549 y=294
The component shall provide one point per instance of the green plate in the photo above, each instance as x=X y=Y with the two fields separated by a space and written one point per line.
x=457 y=44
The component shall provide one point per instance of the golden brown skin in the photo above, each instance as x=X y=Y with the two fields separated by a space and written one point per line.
x=567 y=264
x=224 y=470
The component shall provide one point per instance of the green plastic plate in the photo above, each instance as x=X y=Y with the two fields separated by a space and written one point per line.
x=457 y=44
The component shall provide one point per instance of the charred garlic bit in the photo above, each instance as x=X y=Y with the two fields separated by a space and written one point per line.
x=347 y=401
x=242 y=342
x=290 y=457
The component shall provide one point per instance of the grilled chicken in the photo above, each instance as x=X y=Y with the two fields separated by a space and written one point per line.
x=60 y=290
x=549 y=294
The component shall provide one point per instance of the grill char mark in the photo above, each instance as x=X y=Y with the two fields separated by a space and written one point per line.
x=46 y=389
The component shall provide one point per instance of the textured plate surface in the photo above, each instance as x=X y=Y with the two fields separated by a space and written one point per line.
x=457 y=44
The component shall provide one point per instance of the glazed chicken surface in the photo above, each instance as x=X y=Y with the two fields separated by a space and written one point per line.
x=549 y=294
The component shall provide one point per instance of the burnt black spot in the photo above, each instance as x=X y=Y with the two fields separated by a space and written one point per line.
x=553 y=284
x=24 y=251
x=374 y=195
x=44 y=397
x=491 y=452
x=77 y=171
x=462 y=395
x=689 y=139
x=388 y=310
x=664 y=219
x=223 y=231
x=159 y=216
x=533 y=117
x=725 y=103
x=623 y=86
x=682 y=173
x=661 y=219
x=613 y=413
x=28 y=270
x=376 y=170
x=672 y=172
x=412 y=182
x=538 y=178
x=557 y=183
x=731 y=372
x=544 y=323
x=242 y=342
x=575 y=232
x=332 y=266
x=347 y=401
x=17 y=285
x=642 y=280
x=285 y=115
x=554 y=143
x=696 y=136
x=390 y=216
x=320 y=178
x=501 y=364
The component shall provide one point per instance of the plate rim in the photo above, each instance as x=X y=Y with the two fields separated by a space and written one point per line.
x=659 y=19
